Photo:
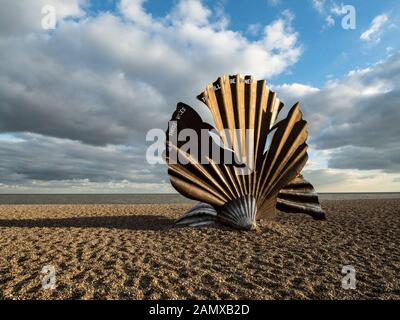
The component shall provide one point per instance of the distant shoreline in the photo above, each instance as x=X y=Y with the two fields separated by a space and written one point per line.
x=166 y=198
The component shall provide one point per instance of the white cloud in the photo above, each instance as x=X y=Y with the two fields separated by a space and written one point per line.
x=337 y=10
x=274 y=3
x=133 y=10
x=318 y=5
x=192 y=11
x=254 y=29
x=24 y=16
x=280 y=37
x=321 y=7
x=330 y=22
x=293 y=90
x=374 y=31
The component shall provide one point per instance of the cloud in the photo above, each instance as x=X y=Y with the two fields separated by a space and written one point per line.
x=274 y=3
x=293 y=90
x=75 y=103
x=193 y=12
x=356 y=118
x=374 y=31
x=99 y=82
x=91 y=81
x=330 y=22
x=36 y=161
x=345 y=180
x=325 y=177
x=321 y=6
x=318 y=5
x=366 y=158
x=254 y=29
x=337 y=10
x=354 y=132
x=133 y=10
x=24 y=16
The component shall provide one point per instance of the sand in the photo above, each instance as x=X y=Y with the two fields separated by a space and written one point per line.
x=133 y=252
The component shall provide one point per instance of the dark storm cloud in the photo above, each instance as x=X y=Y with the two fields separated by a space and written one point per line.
x=372 y=122
x=387 y=159
x=43 y=96
x=36 y=157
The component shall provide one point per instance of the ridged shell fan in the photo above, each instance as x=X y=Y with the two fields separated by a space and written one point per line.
x=268 y=156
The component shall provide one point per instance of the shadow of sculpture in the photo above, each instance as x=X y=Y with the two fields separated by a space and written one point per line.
x=134 y=222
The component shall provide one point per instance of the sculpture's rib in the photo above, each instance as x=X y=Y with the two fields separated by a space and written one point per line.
x=288 y=173
x=278 y=141
x=250 y=102
x=261 y=106
x=200 y=169
x=179 y=172
x=241 y=109
x=200 y=214
x=273 y=107
x=222 y=101
x=224 y=174
x=240 y=213
x=295 y=139
x=299 y=196
x=299 y=206
x=191 y=191
x=210 y=100
x=228 y=86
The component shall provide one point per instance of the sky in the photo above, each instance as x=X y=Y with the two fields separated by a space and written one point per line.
x=77 y=101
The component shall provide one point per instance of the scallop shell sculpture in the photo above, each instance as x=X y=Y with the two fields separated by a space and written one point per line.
x=265 y=156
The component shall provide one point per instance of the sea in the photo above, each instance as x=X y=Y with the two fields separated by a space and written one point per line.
x=153 y=198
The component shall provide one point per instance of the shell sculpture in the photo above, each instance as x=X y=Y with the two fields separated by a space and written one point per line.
x=264 y=174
